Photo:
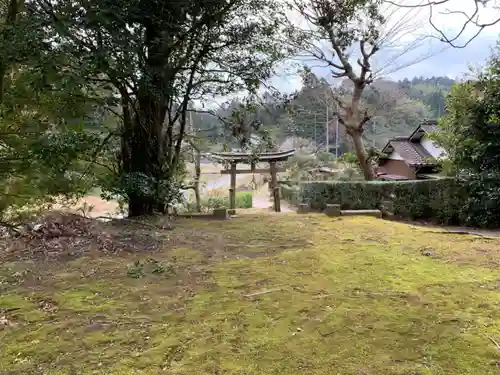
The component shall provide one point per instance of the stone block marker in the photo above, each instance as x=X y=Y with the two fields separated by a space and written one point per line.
x=387 y=208
x=374 y=213
x=303 y=208
x=221 y=213
x=332 y=210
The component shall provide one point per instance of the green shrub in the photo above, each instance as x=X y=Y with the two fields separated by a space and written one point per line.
x=349 y=158
x=482 y=206
x=211 y=202
x=437 y=200
x=243 y=199
x=470 y=134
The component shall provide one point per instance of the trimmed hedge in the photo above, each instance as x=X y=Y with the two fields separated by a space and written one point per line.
x=472 y=201
x=438 y=200
x=291 y=194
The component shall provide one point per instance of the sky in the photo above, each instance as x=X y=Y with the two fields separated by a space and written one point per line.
x=438 y=59
x=445 y=60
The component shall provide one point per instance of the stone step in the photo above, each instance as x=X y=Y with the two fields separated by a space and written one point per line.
x=374 y=213
x=332 y=210
x=222 y=213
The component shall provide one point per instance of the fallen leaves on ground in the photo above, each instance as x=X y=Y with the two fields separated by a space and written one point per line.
x=62 y=234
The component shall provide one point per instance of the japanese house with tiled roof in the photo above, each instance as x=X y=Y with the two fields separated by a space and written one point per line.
x=411 y=157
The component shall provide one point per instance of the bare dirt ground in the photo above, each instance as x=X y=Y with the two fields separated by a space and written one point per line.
x=94 y=206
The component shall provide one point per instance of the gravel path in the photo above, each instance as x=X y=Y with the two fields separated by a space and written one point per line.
x=262 y=200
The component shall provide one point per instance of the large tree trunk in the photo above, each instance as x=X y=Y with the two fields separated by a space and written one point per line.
x=146 y=160
x=139 y=206
x=354 y=127
x=144 y=137
x=363 y=159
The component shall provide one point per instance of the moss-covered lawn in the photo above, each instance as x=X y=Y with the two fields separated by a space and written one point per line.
x=275 y=294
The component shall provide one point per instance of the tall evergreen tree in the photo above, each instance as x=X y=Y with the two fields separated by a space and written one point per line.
x=156 y=57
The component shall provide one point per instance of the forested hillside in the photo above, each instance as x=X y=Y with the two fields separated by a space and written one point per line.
x=397 y=106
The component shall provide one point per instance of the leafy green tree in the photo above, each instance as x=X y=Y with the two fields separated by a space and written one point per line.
x=309 y=108
x=44 y=152
x=430 y=91
x=470 y=134
x=156 y=57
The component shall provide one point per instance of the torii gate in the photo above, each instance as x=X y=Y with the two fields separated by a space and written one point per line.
x=233 y=158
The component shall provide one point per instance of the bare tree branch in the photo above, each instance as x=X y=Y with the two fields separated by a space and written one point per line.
x=471 y=18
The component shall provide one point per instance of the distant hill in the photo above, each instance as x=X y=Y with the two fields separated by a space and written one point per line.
x=397 y=106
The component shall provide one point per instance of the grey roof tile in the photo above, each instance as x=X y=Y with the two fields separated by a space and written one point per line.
x=414 y=154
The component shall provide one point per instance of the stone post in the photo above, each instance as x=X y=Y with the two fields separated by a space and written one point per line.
x=221 y=213
x=387 y=208
x=332 y=209
x=303 y=208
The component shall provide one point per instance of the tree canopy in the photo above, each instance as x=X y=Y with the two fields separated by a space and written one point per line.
x=144 y=63
x=470 y=134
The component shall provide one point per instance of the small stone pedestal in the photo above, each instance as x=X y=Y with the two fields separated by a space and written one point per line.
x=303 y=208
x=221 y=213
x=332 y=210
x=387 y=208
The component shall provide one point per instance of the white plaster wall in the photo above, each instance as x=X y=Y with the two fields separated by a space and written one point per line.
x=431 y=147
x=395 y=156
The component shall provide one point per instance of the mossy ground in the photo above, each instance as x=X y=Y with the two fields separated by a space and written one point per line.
x=344 y=296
